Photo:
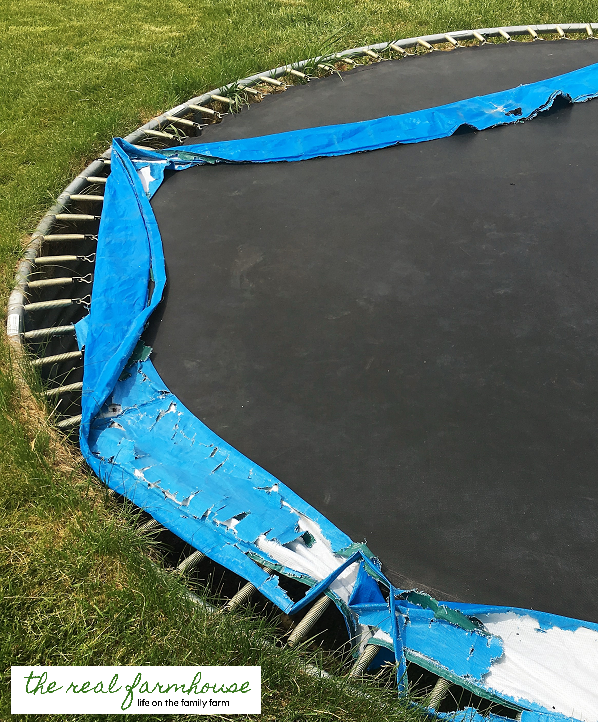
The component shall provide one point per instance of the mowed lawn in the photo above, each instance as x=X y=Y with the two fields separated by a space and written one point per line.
x=76 y=582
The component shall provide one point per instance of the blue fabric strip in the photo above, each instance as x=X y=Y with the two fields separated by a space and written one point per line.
x=129 y=252
x=480 y=113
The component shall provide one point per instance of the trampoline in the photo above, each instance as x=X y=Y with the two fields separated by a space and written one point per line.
x=352 y=339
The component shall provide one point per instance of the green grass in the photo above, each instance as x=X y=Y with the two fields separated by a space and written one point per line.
x=76 y=582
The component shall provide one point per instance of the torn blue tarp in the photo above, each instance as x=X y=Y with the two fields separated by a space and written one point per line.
x=146 y=445
x=151 y=449
x=481 y=113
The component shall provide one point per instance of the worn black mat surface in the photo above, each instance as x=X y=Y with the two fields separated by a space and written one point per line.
x=408 y=337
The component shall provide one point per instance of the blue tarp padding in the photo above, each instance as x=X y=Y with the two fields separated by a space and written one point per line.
x=145 y=444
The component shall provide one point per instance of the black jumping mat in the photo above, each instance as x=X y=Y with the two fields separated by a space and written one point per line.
x=408 y=337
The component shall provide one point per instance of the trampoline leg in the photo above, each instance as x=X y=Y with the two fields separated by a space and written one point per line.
x=441 y=687
x=241 y=596
x=308 y=620
x=364 y=660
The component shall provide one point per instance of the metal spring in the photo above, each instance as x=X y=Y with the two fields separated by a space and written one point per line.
x=42 y=333
x=251 y=91
x=47 y=305
x=76 y=217
x=203 y=109
x=222 y=99
x=439 y=692
x=241 y=596
x=63 y=281
x=365 y=659
x=44 y=260
x=85 y=197
x=63 y=389
x=190 y=562
x=68 y=237
x=397 y=48
x=150 y=526
x=532 y=32
x=271 y=81
x=183 y=121
x=58 y=358
x=67 y=423
x=57 y=303
x=160 y=134
x=309 y=620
